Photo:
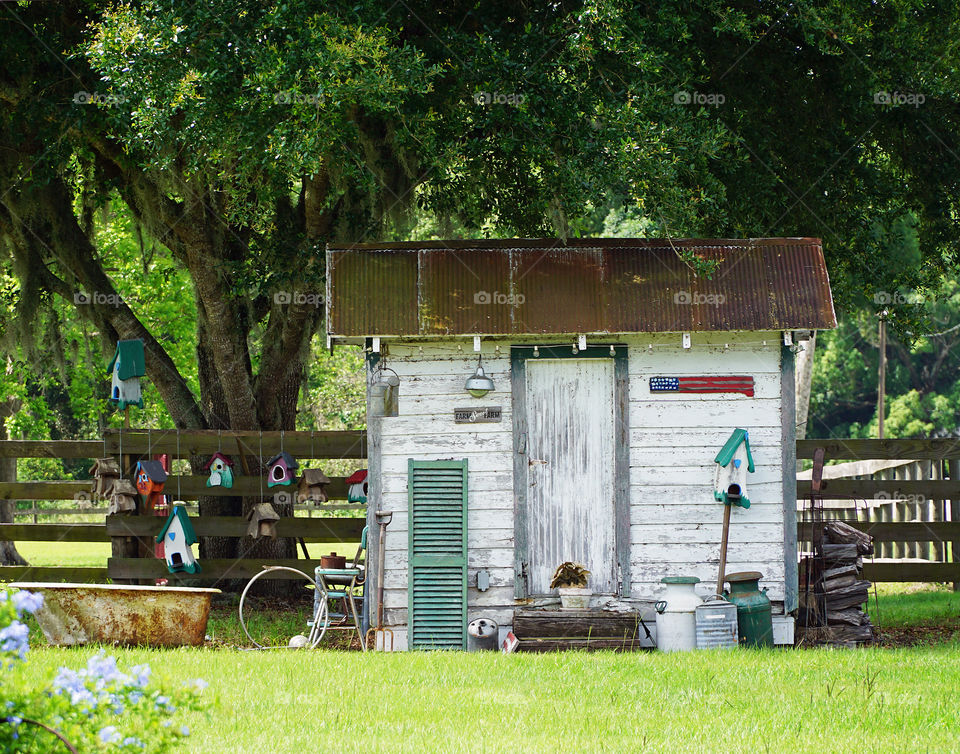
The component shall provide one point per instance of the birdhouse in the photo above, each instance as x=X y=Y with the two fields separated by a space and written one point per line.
x=105 y=473
x=263 y=521
x=126 y=368
x=733 y=462
x=150 y=477
x=177 y=536
x=313 y=486
x=281 y=469
x=357 y=490
x=221 y=471
x=123 y=497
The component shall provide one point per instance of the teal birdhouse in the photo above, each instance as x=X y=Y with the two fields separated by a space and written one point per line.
x=733 y=462
x=126 y=367
x=177 y=536
x=221 y=471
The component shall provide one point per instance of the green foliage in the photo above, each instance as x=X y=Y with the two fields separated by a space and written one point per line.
x=923 y=369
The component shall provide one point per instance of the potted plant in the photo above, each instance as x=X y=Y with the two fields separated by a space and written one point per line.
x=570 y=579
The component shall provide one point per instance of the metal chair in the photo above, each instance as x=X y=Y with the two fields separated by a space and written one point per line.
x=343 y=586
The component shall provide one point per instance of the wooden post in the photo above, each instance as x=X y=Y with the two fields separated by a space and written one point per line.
x=882 y=386
x=953 y=472
x=723 y=547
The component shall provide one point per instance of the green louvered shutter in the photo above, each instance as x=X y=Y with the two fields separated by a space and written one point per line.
x=437 y=493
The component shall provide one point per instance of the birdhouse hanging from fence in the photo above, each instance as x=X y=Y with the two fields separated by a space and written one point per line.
x=150 y=477
x=126 y=368
x=281 y=469
x=177 y=536
x=221 y=471
x=123 y=497
x=313 y=486
x=263 y=521
x=357 y=490
x=105 y=473
x=733 y=462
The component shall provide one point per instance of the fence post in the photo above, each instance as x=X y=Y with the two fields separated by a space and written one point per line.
x=953 y=467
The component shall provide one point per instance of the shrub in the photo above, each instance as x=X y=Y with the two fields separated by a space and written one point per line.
x=97 y=708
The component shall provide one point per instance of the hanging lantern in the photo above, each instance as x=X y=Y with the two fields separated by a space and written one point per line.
x=385 y=392
x=479 y=384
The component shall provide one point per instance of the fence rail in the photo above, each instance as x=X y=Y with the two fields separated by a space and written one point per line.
x=904 y=493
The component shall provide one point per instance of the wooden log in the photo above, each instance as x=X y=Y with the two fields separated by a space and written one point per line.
x=832 y=585
x=849 y=596
x=301 y=445
x=558 y=624
x=838 y=532
x=836 y=555
x=53 y=533
x=888 y=449
x=833 y=573
x=850 y=616
x=858 y=634
x=310 y=529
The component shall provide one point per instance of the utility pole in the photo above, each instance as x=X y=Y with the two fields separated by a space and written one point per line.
x=882 y=386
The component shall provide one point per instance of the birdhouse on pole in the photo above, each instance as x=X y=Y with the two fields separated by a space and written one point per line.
x=733 y=462
x=177 y=535
x=126 y=368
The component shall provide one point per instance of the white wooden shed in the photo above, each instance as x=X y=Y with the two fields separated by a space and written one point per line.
x=618 y=375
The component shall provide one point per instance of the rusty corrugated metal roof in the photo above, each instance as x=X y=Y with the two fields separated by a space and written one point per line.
x=615 y=285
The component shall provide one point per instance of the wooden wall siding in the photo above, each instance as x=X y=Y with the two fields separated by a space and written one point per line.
x=570 y=470
x=431 y=387
x=675 y=523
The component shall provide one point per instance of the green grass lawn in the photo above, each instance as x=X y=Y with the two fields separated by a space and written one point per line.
x=795 y=701
x=905 y=605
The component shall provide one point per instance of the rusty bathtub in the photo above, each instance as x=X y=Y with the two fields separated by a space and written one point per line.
x=155 y=616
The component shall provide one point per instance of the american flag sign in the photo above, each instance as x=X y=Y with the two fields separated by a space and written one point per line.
x=703 y=384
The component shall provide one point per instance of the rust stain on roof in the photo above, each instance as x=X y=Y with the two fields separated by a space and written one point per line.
x=530 y=286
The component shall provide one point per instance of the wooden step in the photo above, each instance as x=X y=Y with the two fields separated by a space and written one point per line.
x=588 y=645
x=575 y=624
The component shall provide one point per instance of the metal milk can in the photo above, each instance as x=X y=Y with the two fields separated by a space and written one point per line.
x=676 y=614
x=716 y=624
x=754 y=615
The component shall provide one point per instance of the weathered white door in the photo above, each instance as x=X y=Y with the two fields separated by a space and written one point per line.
x=570 y=470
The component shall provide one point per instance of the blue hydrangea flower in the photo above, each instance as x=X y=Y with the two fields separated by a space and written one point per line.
x=14 y=638
x=184 y=731
x=132 y=741
x=27 y=602
x=141 y=675
x=109 y=735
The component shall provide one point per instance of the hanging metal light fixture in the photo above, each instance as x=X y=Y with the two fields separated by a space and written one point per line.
x=385 y=392
x=479 y=384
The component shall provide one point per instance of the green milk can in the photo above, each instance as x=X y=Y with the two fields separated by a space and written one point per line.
x=754 y=615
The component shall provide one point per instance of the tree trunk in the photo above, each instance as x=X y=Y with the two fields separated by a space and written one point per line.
x=8 y=473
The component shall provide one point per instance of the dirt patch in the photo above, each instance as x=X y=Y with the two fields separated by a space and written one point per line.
x=918 y=636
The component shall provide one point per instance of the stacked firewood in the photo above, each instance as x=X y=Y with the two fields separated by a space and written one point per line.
x=844 y=588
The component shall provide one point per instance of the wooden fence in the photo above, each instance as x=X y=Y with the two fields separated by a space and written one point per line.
x=912 y=509
x=132 y=533
x=904 y=493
